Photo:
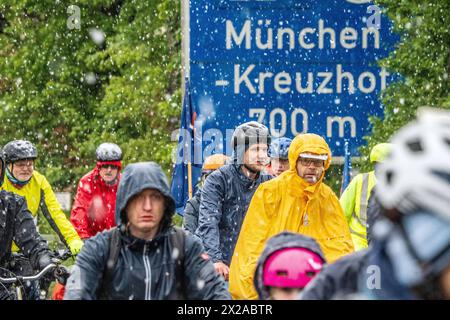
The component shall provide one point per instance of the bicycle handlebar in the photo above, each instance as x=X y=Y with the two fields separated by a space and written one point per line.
x=29 y=278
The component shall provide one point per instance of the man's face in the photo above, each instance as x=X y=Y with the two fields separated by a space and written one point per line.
x=256 y=157
x=278 y=166
x=22 y=170
x=145 y=211
x=108 y=172
x=310 y=170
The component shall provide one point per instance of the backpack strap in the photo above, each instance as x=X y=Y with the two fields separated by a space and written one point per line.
x=177 y=239
x=114 y=251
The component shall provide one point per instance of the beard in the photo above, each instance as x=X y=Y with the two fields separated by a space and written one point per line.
x=254 y=168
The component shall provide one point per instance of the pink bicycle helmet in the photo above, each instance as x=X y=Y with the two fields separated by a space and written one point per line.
x=291 y=268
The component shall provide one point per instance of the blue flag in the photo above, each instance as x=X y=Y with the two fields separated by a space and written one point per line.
x=346 y=174
x=186 y=160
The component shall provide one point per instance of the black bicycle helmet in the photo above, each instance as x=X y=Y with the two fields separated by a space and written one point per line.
x=19 y=150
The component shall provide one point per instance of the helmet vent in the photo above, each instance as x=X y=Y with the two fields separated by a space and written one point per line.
x=282 y=273
x=389 y=177
x=447 y=141
x=415 y=146
x=443 y=175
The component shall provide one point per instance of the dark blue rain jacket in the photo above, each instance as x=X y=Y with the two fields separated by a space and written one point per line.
x=225 y=198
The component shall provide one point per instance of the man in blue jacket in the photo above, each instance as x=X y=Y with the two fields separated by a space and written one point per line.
x=227 y=193
x=145 y=257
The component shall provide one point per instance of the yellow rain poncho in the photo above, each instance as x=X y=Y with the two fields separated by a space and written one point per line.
x=289 y=203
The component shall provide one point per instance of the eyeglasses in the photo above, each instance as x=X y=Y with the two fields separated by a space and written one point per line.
x=308 y=161
x=24 y=164
x=109 y=166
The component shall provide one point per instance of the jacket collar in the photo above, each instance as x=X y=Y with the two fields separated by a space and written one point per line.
x=137 y=244
x=246 y=181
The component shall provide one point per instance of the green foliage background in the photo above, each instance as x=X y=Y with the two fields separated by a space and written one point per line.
x=422 y=58
x=67 y=93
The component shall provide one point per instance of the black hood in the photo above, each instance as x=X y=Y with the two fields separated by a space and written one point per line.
x=282 y=240
x=137 y=177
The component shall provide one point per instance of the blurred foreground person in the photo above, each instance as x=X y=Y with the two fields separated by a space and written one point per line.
x=409 y=257
x=413 y=243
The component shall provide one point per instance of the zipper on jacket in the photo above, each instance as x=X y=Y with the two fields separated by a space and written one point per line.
x=148 y=275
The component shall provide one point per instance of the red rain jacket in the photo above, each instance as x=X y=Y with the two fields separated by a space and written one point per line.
x=95 y=203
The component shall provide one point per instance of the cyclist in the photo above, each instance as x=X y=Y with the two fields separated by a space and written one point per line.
x=16 y=222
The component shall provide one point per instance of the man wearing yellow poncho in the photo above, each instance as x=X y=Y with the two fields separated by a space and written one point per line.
x=295 y=201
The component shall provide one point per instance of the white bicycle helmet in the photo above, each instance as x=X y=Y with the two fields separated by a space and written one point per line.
x=416 y=175
x=108 y=152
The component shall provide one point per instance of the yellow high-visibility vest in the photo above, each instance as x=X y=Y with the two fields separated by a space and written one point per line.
x=354 y=201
